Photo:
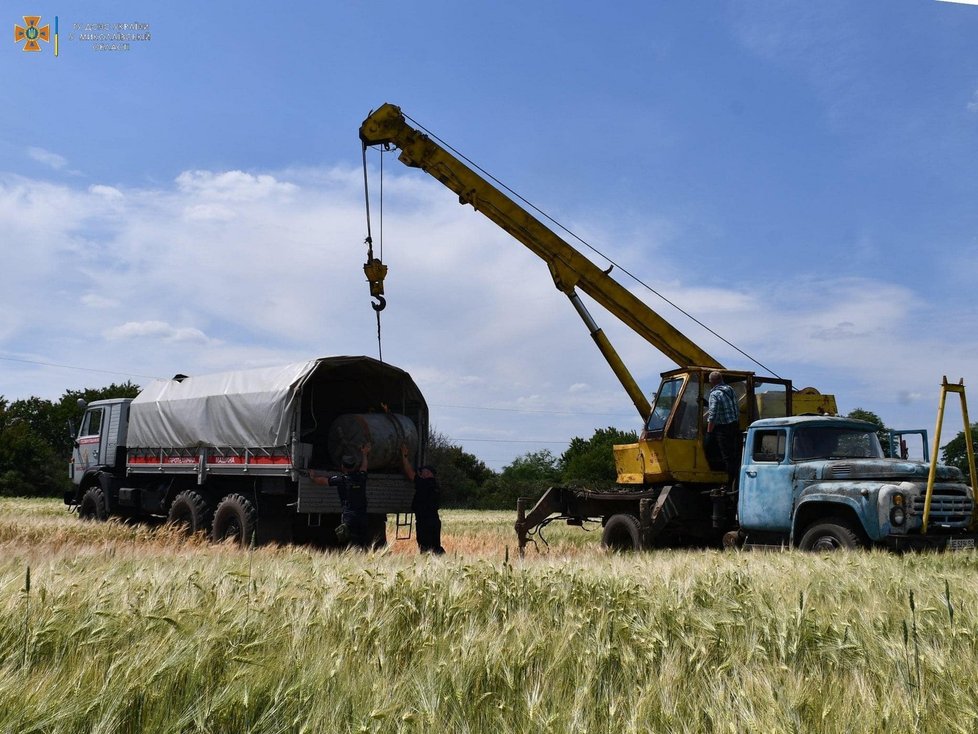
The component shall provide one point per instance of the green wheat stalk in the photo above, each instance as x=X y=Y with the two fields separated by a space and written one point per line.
x=27 y=612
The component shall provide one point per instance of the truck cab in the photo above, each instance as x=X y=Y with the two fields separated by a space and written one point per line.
x=823 y=482
x=100 y=441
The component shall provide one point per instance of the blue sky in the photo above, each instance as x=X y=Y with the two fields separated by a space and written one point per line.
x=799 y=175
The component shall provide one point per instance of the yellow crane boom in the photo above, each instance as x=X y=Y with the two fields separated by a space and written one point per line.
x=670 y=449
x=570 y=269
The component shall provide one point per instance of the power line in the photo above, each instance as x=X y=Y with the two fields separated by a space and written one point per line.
x=80 y=369
x=591 y=247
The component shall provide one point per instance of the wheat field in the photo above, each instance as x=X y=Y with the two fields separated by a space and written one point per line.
x=108 y=627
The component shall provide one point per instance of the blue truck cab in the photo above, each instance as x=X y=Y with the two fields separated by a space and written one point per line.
x=823 y=482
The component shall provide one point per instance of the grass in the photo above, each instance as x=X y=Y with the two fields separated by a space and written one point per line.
x=128 y=629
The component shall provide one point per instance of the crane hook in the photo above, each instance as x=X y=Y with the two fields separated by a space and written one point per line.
x=376 y=271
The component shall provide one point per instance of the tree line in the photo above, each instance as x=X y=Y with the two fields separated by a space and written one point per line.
x=467 y=482
x=36 y=439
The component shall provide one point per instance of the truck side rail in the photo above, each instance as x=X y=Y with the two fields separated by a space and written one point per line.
x=205 y=460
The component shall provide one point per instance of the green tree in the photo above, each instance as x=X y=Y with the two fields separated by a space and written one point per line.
x=955 y=451
x=461 y=475
x=592 y=459
x=882 y=432
x=528 y=475
x=28 y=465
x=36 y=443
x=533 y=466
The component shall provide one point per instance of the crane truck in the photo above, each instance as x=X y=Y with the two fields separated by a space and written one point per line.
x=671 y=491
x=229 y=454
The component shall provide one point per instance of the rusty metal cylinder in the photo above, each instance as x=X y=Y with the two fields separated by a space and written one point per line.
x=385 y=432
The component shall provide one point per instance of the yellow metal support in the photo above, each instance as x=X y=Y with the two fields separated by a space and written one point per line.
x=958 y=388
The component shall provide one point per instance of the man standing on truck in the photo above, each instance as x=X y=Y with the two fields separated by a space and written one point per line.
x=723 y=425
x=352 y=487
x=425 y=504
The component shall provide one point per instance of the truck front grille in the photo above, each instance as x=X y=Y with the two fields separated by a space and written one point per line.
x=953 y=510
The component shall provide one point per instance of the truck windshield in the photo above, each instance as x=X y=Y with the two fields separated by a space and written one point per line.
x=828 y=442
x=664 y=400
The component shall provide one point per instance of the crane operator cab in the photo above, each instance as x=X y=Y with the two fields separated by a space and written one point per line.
x=671 y=445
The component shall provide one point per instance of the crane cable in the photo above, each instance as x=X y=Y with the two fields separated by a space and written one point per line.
x=593 y=249
x=374 y=268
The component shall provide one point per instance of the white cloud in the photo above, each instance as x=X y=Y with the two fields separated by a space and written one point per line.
x=232 y=185
x=973 y=104
x=106 y=192
x=211 y=212
x=155 y=330
x=97 y=301
x=46 y=157
x=842 y=331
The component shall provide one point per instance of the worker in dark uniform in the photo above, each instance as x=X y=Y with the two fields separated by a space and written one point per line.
x=351 y=485
x=427 y=497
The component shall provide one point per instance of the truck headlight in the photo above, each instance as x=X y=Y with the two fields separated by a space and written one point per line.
x=898 y=516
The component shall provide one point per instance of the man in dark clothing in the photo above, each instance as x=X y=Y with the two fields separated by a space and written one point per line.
x=352 y=487
x=723 y=425
x=427 y=497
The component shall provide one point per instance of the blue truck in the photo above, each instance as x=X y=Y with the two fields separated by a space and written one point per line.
x=809 y=482
x=824 y=483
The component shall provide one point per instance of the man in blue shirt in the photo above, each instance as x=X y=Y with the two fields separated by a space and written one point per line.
x=723 y=425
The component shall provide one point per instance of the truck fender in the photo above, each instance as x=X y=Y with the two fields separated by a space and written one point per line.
x=818 y=506
x=94 y=477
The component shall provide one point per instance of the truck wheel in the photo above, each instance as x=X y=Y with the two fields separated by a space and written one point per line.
x=190 y=513
x=235 y=518
x=622 y=533
x=832 y=534
x=92 y=505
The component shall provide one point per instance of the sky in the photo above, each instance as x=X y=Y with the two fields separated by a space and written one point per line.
x=799 y=176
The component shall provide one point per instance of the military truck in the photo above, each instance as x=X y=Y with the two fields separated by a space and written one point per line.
x=229 y=454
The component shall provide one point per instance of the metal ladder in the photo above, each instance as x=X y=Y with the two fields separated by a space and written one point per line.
x=958 y=388
x=404 y=522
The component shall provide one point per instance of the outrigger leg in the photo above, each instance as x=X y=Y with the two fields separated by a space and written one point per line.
x=547 y=505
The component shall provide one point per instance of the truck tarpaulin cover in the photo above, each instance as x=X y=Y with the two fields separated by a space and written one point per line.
x=248 y=408
x=258 y=408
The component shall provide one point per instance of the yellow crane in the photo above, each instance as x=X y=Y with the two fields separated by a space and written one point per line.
x=670 y=451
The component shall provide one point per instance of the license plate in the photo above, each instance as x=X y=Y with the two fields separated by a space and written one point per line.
x=960 y=543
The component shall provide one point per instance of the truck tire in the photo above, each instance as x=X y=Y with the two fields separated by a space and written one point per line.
x=622 y=533
x=235 y=517
x=190 y=513
x=830 y=535
x=92 y=506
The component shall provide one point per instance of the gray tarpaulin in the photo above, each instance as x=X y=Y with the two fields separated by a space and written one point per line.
x=246 y=408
